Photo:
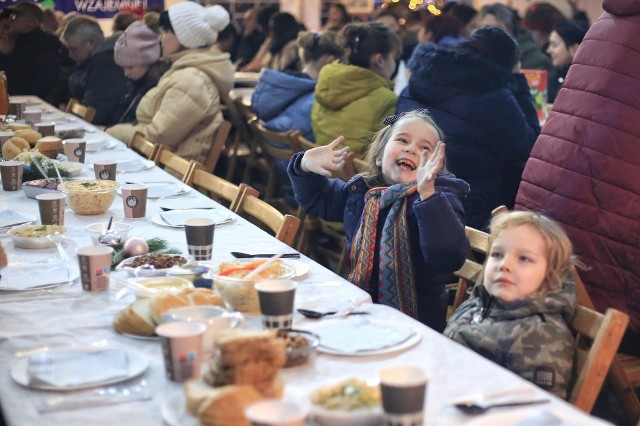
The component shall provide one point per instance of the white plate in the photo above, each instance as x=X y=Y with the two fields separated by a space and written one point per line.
x=74 y=274
x=74 y=169
x=506 y=418
x=218 y=216
x=11 y=217
x=137 y=365
x=123 y=266
x=32 y=242
x=301 y=267
x=133 y=165
x=163 y=189
x=95 y=142
x=346 y=322
x=137 y=337
x=174 y=412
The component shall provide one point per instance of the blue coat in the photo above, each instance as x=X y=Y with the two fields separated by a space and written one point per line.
x=488 y=119
x=440 y=244
x=283 y=101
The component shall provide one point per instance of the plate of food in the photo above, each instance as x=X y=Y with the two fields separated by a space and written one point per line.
x=351 y=401
x=174 y=412
x=35 y=236
x=75 y=368
x=359 y=336
x=151 y=264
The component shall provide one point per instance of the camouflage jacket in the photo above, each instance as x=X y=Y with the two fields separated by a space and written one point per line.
x=529 y=337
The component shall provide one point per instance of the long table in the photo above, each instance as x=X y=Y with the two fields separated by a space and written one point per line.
x=69 y=316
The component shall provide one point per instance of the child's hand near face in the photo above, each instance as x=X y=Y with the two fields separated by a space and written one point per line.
x=431 y=163
x=325 y=159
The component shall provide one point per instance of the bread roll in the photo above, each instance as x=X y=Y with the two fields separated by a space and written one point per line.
x=17 y=126
x=202 y=296
x=29 y=135
x=161 y=303
x=49 y=146
x=14 y=146
x=225 y=406
x=135 y=319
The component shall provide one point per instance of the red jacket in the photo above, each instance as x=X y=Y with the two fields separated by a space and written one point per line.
x=584 y=169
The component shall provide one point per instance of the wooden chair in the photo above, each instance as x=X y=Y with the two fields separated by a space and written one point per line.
x=597 y=339
x=87 y=113
x=217 y=146
x=218 y=188
x=624 y=372
x=470 y=273
x=173 y=163
x=284 y=226
x=143 y=146
x=270 y=154
x=239 y=140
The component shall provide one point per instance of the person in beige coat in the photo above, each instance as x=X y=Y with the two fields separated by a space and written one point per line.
x=183 y=111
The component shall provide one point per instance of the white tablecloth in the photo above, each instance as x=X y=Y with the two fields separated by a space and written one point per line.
x=68 y=316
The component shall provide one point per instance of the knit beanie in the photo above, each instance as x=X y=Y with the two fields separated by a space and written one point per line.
x=137 y=46
x=572 y=32
x=195 y=25
x=494 y=44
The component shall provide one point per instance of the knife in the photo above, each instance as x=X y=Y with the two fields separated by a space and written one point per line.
x=241 y=255
x=168 y=209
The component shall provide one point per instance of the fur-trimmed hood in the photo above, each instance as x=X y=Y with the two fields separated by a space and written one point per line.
x=442 y=72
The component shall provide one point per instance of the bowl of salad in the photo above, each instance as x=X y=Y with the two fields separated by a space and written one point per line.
x=35 y=236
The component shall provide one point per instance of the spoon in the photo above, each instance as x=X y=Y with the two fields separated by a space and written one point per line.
x=308 y=313
x=109 y=237
x=473 y=408
x=55 y=238
x=55 y=166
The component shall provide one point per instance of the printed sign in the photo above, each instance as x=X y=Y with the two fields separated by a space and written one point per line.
x=537 y=80
x=95 y=8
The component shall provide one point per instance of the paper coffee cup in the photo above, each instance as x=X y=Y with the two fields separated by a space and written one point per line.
x=182 y=349
x=95 y=266
x=51 y=208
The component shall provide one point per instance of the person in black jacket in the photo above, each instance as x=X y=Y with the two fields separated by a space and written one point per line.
x=96 y=81
x=33 y=66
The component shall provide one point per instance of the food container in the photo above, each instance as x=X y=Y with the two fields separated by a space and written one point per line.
x=151 y=286
x=34 y=236
x=36 y=187
x=301 y=346
x=89 y=197
x=96 y=229
x=350 y=402
x=238 y=293
x=159 y=264
x=74 y=169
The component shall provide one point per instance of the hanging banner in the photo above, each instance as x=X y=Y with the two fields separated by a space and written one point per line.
x=95 y=8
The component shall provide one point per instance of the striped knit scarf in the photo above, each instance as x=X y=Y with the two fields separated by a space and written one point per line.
x=396 y=286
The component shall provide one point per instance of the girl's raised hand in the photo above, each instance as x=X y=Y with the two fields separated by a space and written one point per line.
x=325 y=159
x=431 y=164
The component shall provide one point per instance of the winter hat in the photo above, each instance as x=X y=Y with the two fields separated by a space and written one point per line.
x=137 y=46
x=195 y=25
x=572 y=32
x=542 y=17
x=495 y=44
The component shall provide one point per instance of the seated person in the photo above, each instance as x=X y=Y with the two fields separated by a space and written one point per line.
x=563 y=45
x=519 y=316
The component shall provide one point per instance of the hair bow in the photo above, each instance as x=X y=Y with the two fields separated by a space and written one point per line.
x=393 y=118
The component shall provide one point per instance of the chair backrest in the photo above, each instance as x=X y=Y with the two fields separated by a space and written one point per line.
x=87 y=113
x=143 y=146
x=219 y=139
x=218 y=188
x=177 y=165
x=598 y=337
x=284 y=226
x=264 y=136
x=470 y=273
x=300 y=143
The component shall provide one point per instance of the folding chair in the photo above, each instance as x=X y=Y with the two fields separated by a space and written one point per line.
x=174 y=164
x=87 y=113
x=218 y=188
x=143 y=146
x=285 y=227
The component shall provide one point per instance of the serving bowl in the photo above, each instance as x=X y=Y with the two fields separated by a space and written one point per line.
x=74 y=169
x=151 y=286
x=350 y=402
x=301 y=346
x=161 y=264
x=34 y=236
x=96 y=229
x=33 y=188
x=238 y=292
x=89 y=197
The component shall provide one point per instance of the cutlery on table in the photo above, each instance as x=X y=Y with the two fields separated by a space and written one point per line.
x=240 y=255
x=470 y=407
x=168 y=209
x=308 y=313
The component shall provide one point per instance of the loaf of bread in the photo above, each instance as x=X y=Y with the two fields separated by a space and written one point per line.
x=143 y=315
x=14 y=146
x=49 y=146
x=135 y=319
x=17 y=126
x=29 y=135
x=225 y=406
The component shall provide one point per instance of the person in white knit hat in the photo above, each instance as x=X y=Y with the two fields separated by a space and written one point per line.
x=183 y=111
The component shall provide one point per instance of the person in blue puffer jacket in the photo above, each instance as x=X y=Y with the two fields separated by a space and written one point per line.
x=403 y=219
x=283 y=99
x=477 y=95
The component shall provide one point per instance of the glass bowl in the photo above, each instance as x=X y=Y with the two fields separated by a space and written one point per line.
x=301 y=346
x=89 y=197
x=96 y=229
x=239 y=293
